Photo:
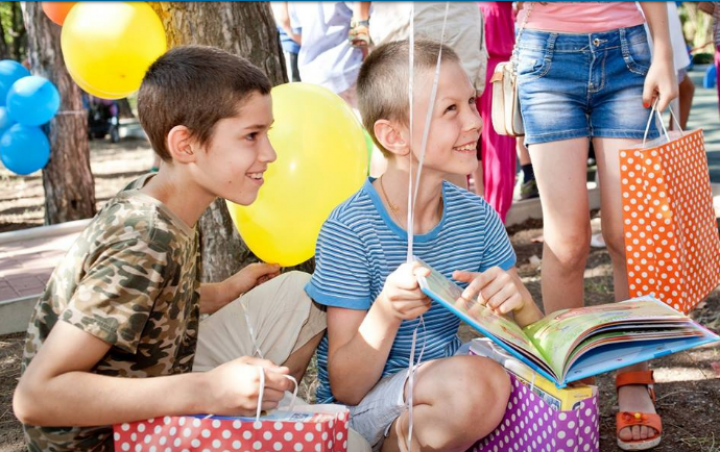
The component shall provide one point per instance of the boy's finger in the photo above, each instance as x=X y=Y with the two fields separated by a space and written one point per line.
x=277 y=382
x=478 y=283
x=501 y=297
x=272 y=395
x=421 y=271
x=463 y=276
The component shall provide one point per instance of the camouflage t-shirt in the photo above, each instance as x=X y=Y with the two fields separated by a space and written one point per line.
x=130 y=279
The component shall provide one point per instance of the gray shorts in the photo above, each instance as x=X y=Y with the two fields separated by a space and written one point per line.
x=374 y=416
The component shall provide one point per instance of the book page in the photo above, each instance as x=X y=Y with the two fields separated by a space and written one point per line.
x=481 y=318
x=561 y=331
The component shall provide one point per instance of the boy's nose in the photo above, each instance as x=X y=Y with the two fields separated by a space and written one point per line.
x=268 y=154
x=474 y=122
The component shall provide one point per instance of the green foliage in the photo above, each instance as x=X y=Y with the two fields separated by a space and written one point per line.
x=12 y=33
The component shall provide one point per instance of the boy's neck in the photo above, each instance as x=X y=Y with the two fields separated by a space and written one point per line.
x=180 y=194
x=393 y=189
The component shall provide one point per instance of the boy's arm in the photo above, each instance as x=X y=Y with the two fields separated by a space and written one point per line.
x=58 y=388
x=214 y=296
x=360 y=341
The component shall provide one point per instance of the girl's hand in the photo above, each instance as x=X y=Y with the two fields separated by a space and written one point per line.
x=660 y=83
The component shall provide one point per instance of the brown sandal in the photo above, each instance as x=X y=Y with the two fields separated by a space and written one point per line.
x=625 y=419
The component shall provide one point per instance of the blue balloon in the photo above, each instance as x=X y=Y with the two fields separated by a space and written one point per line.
x=10 y=72
x=33 y=101
x=24 y=150
x=5 y=120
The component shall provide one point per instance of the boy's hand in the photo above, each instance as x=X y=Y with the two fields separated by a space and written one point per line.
x=250 y=277
x=494 y=288
x=234 y=387
x=401 y=296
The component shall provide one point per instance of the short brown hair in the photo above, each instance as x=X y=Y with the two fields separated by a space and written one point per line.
x=382 y=86
x=195 y=86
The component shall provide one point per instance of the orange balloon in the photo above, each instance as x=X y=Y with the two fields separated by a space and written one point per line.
x=57 y=11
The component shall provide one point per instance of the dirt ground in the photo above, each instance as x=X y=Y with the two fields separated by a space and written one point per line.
x=688 y=383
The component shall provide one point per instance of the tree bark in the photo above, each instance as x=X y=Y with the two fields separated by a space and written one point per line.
x=246 y=29
x=67 y=179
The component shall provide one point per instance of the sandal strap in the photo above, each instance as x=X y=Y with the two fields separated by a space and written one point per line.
x=625 y=419
x=641 y=377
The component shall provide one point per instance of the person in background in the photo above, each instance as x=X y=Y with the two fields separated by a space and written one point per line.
x=290 y=39
x=713 y=8
x=496 y=152
x=326 y=56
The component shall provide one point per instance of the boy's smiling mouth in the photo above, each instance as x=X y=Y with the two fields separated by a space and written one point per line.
x=257 y=177
x=467 y=148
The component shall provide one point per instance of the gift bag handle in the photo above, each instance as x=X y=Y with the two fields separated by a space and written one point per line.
x=261 y=373
x=655 y=111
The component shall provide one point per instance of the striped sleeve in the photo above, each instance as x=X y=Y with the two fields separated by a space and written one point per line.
x=498 y=249
x=341 y=276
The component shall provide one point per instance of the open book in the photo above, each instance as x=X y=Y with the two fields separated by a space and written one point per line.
x=572 y=344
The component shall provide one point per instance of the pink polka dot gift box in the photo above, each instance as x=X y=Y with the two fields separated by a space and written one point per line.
x=671 y=234
x=531 y=425
x=312 y=428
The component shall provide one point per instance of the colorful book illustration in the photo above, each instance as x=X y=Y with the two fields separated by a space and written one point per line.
x=564 y=399
x=572 y=344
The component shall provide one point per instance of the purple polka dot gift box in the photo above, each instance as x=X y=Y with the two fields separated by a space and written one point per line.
x=531 y=425
x=313 y=428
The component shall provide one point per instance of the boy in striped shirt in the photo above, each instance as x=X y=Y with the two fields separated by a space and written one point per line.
x=372 y=296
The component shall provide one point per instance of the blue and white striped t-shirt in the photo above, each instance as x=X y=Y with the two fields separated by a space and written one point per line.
x=360 y=245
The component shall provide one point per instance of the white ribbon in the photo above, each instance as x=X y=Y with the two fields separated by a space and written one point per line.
x=412 y=194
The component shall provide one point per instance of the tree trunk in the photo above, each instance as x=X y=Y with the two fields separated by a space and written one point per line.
x=246 y=29
x=67 y=179
x=18 y=50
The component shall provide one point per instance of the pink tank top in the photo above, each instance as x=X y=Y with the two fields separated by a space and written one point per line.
x=581 y=17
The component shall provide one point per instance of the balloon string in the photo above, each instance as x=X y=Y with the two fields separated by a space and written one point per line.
x=412 y=198
x=411 y=77
x=72 y=112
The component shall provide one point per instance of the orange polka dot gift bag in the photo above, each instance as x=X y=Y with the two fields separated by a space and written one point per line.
x=290 y=428
x=671 y=234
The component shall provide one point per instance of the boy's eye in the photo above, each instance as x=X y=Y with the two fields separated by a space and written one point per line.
x=452 y=107
x=472 y=100
x=252 y=136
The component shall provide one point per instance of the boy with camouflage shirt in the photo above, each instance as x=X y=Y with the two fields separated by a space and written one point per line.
x=124 y=304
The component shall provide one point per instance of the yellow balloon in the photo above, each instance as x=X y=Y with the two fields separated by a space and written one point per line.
x=108 y=46
x=321 y=161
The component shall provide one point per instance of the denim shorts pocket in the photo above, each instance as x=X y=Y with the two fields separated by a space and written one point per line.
x=636 y=52
x=533 y=63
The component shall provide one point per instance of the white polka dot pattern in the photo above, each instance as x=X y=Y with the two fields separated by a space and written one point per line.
x=530 y=425
x=671 y=235
x=321 y=432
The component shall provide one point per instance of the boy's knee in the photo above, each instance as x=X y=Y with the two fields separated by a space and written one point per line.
x=482 y=392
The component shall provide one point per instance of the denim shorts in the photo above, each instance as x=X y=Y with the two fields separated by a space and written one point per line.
x=583 y=85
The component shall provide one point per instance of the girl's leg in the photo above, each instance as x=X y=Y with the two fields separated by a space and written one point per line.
x=452 y=416
x=633 y=398
x=560 y=172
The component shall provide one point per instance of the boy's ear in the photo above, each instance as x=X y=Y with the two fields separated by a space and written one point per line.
x=180 y=144
x=392 y=136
